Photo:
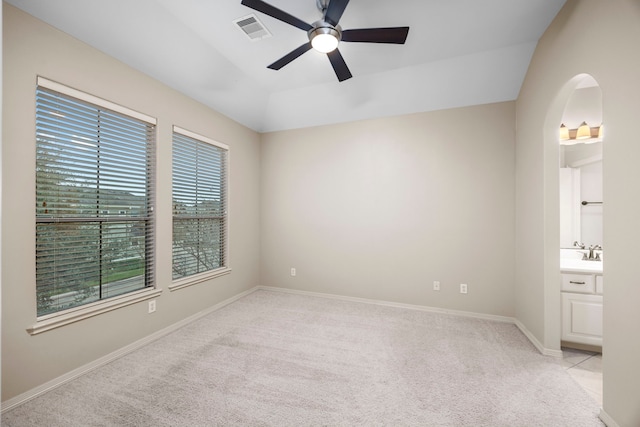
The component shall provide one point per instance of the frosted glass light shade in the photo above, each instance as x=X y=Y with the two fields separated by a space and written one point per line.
x=564 y=132
x=324 y=43
x=584 y=131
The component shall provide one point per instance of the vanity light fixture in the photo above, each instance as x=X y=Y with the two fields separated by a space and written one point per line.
x=583 y=134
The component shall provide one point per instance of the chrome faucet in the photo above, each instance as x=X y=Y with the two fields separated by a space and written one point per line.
x=591 y=255
x=592 y=252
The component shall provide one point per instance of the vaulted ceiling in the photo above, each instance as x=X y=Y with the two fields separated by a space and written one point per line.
x=458 y=53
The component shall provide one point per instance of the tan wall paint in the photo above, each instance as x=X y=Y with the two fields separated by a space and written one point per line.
x=601 y=39
x=33 y=48
x=381 y=208
x=324 y=191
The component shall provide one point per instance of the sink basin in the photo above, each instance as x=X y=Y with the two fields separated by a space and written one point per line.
x=578 y=265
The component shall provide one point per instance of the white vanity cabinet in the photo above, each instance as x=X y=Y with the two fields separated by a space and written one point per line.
x=582 y=308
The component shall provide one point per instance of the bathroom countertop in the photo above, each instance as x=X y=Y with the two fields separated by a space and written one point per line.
x=580 y=266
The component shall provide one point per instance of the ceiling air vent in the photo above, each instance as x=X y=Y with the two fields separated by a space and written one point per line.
x=252 y=27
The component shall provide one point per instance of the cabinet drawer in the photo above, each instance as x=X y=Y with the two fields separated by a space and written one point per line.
x=583 y=283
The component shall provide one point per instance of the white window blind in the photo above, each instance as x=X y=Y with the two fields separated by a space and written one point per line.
x=94 y=199
x=199 y=204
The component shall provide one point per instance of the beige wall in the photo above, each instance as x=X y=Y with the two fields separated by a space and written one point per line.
x=601 y=39
x=381 y=208
x=376 y=209
x=32 y=48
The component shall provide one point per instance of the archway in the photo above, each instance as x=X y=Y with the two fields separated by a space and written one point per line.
x=552 y=157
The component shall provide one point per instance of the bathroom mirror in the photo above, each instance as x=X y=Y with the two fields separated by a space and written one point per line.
x=581 y=195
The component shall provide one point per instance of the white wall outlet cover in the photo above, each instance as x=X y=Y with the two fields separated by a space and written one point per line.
x=293 y=271
x=152 y=306
x=436 y=285
x=463 y=288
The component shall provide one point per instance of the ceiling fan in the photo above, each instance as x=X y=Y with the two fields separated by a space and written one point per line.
x=326 y=34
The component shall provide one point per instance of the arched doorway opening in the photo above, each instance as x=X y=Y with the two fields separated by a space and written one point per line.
x=574 y=208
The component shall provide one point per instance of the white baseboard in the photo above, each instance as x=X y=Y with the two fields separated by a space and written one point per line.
x=536 y=343
x=394 y=304
x=520 y=325
x=69 y=376
x=606 y=418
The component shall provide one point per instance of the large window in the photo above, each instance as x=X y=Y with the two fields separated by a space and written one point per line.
x=199 y=204
x=94 y=199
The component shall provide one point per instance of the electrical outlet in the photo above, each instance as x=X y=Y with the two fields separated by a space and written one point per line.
x=463 y=288
x=436 y=285
x=293 y=271
x=152 y=306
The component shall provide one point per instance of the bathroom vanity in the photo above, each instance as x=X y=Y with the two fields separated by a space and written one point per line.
x=582 y=288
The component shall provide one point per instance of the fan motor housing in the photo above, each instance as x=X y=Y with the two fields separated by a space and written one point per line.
x=323 y=27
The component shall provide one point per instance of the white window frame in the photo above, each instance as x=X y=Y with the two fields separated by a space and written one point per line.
x=225 y=269
x=68 y=316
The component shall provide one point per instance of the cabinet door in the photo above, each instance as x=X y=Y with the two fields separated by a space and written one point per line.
x=582 y=318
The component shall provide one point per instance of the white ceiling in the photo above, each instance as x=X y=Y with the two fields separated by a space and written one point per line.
x=458 y=53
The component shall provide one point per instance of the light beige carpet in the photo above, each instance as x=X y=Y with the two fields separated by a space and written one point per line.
x=277 y=359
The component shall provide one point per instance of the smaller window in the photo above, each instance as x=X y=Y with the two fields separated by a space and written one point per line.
x=199 y=204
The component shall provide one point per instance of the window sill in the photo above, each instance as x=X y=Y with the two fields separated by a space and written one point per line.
x=53 y=321
x=198 y=278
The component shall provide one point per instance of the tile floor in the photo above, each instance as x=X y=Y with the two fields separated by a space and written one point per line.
x=586 y=368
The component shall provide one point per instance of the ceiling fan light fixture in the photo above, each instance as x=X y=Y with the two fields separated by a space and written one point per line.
x=324 y=39
x=326 y=34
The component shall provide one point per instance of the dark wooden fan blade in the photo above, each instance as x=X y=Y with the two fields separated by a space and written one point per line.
x=396 y=35
x=335 y=10
x=290 y=56
x=274 y=12
x=339 y=66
